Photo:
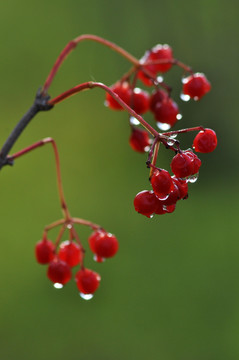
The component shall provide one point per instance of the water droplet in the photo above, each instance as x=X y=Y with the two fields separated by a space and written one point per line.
x=163 y=126
x=159 y=79
x=133 y=121
x=165 y=207
x=147 y=148
x=58 y=286
x=173 y=136
x=179 y=116
x=192 y=179
x=98 y=258
x=184 y=97
x=170 y=142
x=196 y=98
x=162 y=197
x=86 y=296
x=151 y=216
x=69 y=226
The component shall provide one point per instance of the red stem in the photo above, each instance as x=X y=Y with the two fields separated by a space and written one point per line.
x=58 y=171
x=73 y=43
x=91 y=85
x=196 y=128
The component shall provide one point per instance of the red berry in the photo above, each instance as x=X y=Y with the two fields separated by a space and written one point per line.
x=93 y=238
x=124 y=92
x=166 y=112
x=139 y=140
x=70 y=252
x=196 y=86
x=158 y=52
x=182 y=165
x=205 y=141
x=157 y=97
x=59 y=271
x=160 y=209
x=182 y=187
x=106 y=245
x=145 y=203
x=140 y=101
x=87 y=281
x=162 y=52
x=161 y=183
x=195 y=160
x=44 y=251
x=173 y=197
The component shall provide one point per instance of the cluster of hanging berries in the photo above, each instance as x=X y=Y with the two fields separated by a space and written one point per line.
x=62 y=256
x=185 y=165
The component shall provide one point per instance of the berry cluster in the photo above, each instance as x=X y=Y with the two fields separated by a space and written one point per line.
x=167 y=189
x=62 y=257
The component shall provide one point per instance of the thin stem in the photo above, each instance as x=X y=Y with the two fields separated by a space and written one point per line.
x=91 y=85
x=196 y=128
x=73 y=43
x=86 y=223
x=60 y=234
x=155 y=155
x=54 y=224
x=58 y=171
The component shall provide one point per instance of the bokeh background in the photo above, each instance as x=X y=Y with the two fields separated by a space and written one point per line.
x=172 y=292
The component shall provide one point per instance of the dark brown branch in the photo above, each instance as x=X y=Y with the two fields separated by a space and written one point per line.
x=40 y=104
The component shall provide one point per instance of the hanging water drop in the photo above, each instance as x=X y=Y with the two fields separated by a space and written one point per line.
x=86 y=296
x=163 y=126
x=192 y=179
x=58 y=286
x=162 y=197
x=133 y=121
x=184 y=97
x=179 y=116
x=159 y=79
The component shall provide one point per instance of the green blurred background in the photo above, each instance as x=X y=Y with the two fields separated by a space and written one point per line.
x=172 y=292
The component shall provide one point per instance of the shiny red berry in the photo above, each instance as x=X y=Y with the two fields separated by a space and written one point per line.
x=195 y=160
x=173 y=196
x=157 y=97
x=123 y=90
x=164 y=53
x=166 y=112
x=140 y=101
x=145 y=203
x=106 y=245
x=44 y=251
x=205 y=141
x=139 y=140
x=196 y=86
x=87 y=281
x=70 y=252
x=59 y=271
x=182 y=165
x=182 y=187
x=162 y=183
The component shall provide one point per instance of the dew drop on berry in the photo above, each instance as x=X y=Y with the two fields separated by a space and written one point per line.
x=179 y=116
x=184 y=97
x=163 y=126
x=58 y=286
x=159 y=79
x=86 y=296
x=173 y=136
x=98 y=259
x=133 y=121
x=163 y=197
x=192 y=179
x=170 y=142
x=151 y=216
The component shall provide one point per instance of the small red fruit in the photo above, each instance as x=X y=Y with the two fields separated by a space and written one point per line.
x=70 y=252
x=145 y=203
x=182 y=187
x=157 y=97
x=123 y=90
x=139 y=140
x=195 y=160
x=44 y=251
x=106 y=245
x=196 y=86
x=161 y=183
x=87 y=281
x=140 y=101
x=166 y=112
x=182 y=165
x=205 y=141
x=59 y=272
